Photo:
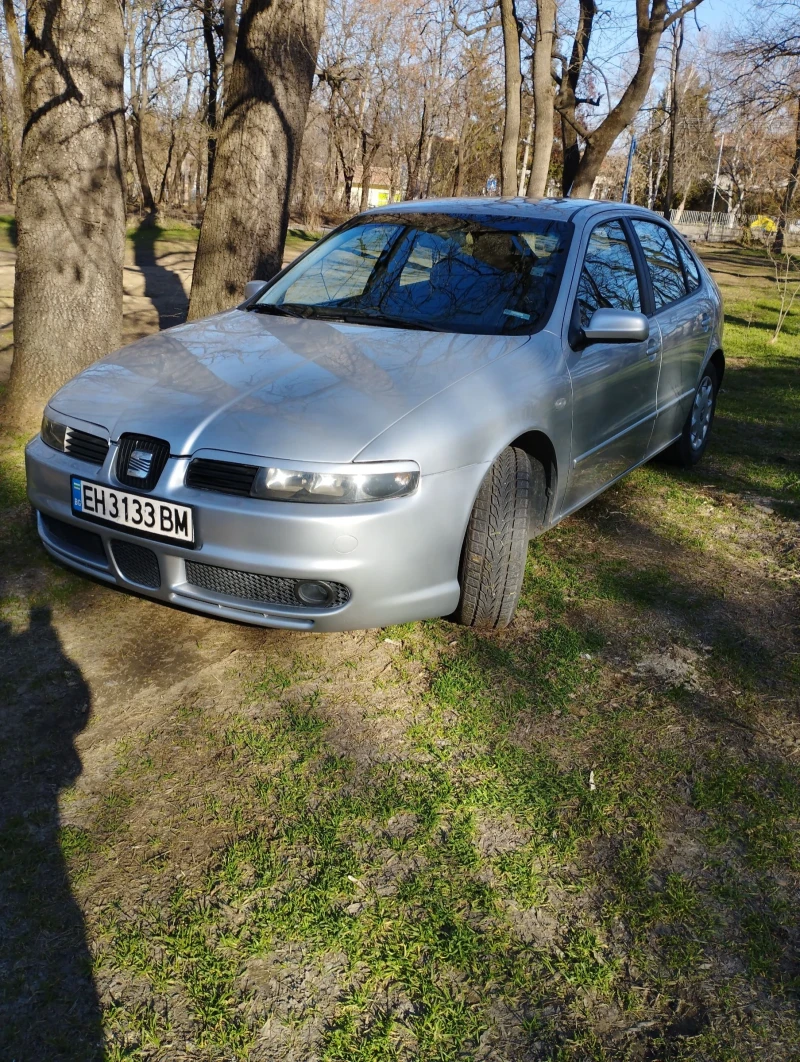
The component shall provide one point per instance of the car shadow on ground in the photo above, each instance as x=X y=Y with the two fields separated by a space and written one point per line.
x=161 y=285
x=49 y=1007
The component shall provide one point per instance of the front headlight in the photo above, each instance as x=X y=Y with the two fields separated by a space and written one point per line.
x=292 y=484
x=54 y=434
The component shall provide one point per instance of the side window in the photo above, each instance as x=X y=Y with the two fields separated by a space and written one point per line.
x=689 y=264
x=608 y=277
x=662 y=261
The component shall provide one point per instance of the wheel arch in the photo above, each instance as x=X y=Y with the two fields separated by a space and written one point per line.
x=717 y=359
x=538 y=446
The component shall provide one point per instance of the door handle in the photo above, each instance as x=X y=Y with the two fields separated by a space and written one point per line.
x=652 y=352
x=705 y=319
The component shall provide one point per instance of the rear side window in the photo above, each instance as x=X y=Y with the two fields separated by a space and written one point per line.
x=690 y=266
x=662 y=261
x=608 y=277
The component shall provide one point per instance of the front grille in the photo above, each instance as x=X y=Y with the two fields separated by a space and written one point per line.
x=69 y=536
x=227 y=477
x=84 y=446
x=271 y=589
x=137 y=563
x=128 y=445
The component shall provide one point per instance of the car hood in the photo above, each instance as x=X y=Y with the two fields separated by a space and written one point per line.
x=274 y=387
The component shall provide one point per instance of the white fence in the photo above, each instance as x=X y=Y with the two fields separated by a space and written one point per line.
x=699 y=225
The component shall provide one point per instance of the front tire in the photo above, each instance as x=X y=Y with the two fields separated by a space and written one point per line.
x=690 y=447
x=496 y=544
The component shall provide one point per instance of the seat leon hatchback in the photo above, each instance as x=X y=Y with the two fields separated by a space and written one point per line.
x=373 y=436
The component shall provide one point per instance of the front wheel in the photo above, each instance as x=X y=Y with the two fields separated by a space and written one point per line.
x=496 y=544
x=690 y=447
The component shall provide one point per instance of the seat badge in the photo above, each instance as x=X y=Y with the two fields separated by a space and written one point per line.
x=139 y=464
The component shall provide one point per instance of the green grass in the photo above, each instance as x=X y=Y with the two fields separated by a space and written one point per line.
x=578 y=839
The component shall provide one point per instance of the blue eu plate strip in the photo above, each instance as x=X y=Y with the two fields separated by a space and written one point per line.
x=76 y=493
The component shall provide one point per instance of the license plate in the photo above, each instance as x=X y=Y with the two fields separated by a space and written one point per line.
x=148 y=516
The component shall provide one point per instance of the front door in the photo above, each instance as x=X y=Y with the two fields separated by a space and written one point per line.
x=613 y=384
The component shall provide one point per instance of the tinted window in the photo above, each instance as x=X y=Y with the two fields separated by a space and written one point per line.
x=474 y=273
x=608 y=277
x=662 y=261
x=689 y=264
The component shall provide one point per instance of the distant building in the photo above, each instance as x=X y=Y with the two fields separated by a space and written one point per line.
x=380 y=188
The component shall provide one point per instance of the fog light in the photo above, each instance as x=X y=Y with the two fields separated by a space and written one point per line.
x=317 y=595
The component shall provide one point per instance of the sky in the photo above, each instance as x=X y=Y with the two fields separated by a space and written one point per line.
x=716 y=14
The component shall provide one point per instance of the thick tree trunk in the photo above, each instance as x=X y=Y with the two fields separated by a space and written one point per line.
x=543 y=96
x=212 y=86
x=247 y=213
x=513 y=87
x=791 y=188
x=70 y=202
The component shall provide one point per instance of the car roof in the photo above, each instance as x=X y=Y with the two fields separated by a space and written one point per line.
x=507 y=207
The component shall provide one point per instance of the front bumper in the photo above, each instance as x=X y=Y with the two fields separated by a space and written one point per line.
x=399 y=558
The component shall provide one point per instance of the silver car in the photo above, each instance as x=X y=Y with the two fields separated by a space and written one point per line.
x=374 y=435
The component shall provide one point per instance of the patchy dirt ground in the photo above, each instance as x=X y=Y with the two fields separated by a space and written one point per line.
x=575 y=839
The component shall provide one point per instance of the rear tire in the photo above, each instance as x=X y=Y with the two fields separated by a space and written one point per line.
x=496 y=544
x=690 y=447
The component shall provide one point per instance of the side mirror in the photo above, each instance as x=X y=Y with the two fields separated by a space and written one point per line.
x=252 y=287
x=617 y=326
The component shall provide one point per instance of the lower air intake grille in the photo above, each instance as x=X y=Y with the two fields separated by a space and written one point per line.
x=271 y=589
x=137 y=563
x=227 y=477
x=85 y=447
x=70 y=537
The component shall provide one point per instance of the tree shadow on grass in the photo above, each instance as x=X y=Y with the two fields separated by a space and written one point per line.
x=48 y=1004
x=161 y=285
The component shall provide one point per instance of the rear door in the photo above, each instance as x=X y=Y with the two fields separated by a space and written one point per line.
x=683 y=320
x=613 y=384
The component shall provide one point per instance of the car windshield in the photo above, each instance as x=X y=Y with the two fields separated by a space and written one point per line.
x=443 y=272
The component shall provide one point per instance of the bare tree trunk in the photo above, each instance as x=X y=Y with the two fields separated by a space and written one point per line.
x=138 y=94
x=458 y=176
x=163 y=189
x=543 y=96
x=513 y=86
x=415 y=163
x=566 y=101
x=17 y=55
x=247 y=214
x=791 y=187
x=71 y=199
x=7 y=140
x=228 y=43
x=212 y=88
x=677 y=44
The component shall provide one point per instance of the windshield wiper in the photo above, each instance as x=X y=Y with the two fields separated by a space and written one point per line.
x=334 y=313
x=391 y=321
x=279 y=311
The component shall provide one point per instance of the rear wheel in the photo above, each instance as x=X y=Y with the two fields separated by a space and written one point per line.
x=496 y=543
x=690 y=447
